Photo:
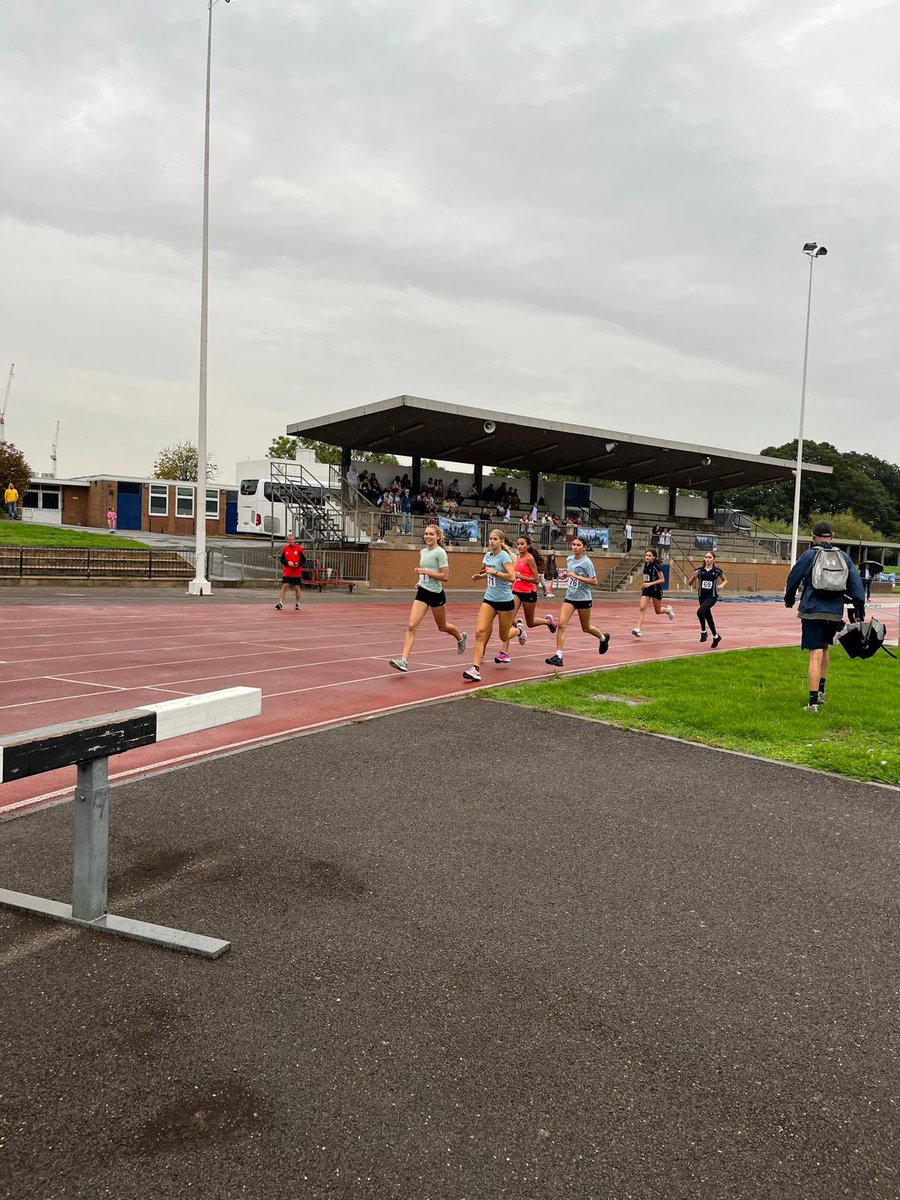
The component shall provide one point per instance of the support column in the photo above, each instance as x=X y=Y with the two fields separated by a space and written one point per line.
x=535 y=481
x=478 y=476
x=91 y=852
x=416 y=474
x=710 y=506
x=629 y=498
x=345 y=468
x=673 y=500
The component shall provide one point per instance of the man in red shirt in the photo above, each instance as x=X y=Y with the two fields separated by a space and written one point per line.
x=292 y=560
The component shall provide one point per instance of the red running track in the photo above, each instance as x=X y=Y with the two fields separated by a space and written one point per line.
x=323 y=665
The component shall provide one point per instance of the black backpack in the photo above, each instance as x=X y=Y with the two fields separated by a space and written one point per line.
x=863 y=639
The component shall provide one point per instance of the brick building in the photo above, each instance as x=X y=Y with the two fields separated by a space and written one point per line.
x=151 y=505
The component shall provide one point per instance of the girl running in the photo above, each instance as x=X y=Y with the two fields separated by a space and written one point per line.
x=651 y=592
x=711 y=579
x=498 y=601
x=579 y=577
x=433 y=572
x=527 y=569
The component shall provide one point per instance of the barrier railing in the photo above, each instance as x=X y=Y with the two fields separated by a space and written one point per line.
x=94 y=562
x=88 y=744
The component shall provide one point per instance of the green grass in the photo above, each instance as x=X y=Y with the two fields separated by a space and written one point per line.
x=749 y=700
x=20 y=533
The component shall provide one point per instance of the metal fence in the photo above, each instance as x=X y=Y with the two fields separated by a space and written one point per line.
x=260 y=564
x=94 y=563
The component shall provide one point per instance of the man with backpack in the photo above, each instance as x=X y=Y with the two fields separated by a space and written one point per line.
x=828 y=580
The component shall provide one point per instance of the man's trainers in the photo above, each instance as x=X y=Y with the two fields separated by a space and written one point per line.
x=522 y=634
x=704 y=636
x=670 y=612
x=810 y=708
x=604 y=643
x=552 y=623
x=279 y=606
x=296 y=608
x=502 y=657
x=472 y=674
x=716 y=640
x=461 y=644
x=636 y=633
x=399 y=664
x=821 y=699
x=555 y=660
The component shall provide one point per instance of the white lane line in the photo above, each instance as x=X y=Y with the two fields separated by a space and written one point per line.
x=86 y=683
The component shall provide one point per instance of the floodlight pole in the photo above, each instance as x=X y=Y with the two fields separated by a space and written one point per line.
x=200 y=585
x=813 y=252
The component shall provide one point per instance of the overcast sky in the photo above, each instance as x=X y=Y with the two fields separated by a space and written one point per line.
x=590 y=211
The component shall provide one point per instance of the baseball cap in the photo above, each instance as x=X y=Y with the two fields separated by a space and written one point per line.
x=821 y=529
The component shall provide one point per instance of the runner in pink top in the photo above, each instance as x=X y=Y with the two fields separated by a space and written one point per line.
x=527 y=567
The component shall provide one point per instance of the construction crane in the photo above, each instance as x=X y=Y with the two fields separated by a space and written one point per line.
x=53 y=453
x=12 y=371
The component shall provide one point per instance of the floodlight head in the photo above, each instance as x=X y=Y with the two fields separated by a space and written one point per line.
x=810 y=247
x=821 y=250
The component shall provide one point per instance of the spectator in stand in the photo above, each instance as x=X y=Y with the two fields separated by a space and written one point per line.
x=571 y=530
x=353 y=477
x=419 y=507
x=655 y=534
x=514 y=501
x=453 y=491
x=473 y=493
x=665 y=541
x=374 y=485
x=405 y=511
x=488 y=494
x=629 y=535
x=406 y=482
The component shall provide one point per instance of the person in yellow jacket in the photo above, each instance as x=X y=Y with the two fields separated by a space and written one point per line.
x=11 y=500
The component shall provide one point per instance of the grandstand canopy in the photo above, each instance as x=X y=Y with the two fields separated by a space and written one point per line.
x=413 y=426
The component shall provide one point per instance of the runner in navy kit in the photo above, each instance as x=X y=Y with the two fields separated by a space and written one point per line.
x=527 y=568
x=579 y=577
x=498 y=600
x=710 y=581
x=651 y=591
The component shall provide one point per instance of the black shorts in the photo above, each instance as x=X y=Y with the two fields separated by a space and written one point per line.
x=819 y=634
x=653 y=593
x=500 y=605
x=432 y=599
x=580 y=603
x=527 y=597
x=292 y=580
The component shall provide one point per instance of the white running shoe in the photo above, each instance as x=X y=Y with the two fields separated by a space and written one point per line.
x=636 y=633
x=670 y=612
x=522 y=635
x=461 y=644
x=548 y=595
x=399 y=664
x=472 y=674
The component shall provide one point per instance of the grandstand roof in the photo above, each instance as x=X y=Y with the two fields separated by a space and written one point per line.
x=411 y=425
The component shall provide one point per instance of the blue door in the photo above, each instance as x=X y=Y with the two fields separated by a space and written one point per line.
x=128 y=505
x=231 y=516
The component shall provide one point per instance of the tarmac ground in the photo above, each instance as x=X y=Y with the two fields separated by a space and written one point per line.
x=664 y=972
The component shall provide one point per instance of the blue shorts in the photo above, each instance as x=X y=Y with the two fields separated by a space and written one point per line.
x=817 y=635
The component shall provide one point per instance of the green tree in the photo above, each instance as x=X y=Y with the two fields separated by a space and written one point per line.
x=282 y=447
x=286 y=447
x=15 y=470
x=179 y=461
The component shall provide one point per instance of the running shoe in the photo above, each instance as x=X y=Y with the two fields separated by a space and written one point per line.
x=811 y=708
x=472 y=674
x=279 y=606
x=670 y=612
x=604 y=643
x=716 y=641
x=522 y=634
x=461 y=644
x=549 y=595
x=296 y=608
x=502 y=658
x=704 y=636
x=552 y=623
x=821 y=699
x=399 y=664
x=555 y=660
x=636 y=633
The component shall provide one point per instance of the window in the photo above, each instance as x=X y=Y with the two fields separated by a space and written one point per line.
x=184 y=501
x=212 y=504
x=50 y=498
x=249 y=486
x=159 y=500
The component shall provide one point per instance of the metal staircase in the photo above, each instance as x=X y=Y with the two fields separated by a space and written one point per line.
x=323 y=511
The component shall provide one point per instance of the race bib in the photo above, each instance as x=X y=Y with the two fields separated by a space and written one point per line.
x=706 y=583
x=423 y=579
